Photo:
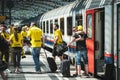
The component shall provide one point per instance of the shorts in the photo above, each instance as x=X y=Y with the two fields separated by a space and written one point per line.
x=81 y=54
x=55 y=53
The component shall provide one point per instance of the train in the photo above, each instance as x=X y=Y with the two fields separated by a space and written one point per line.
x=100 y=20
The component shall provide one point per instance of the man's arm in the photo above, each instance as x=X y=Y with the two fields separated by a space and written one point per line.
x=73 y=40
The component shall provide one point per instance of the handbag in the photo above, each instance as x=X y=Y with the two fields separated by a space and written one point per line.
x=62 y=47
x=3 y=66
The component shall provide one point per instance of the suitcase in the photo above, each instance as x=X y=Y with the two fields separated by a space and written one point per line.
x=109 y=72
x=51 y=63
x=65 y=66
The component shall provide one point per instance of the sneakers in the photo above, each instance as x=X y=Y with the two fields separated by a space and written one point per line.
x=17 y=71
x=38 y=72
x=87 y=75
x=8 y=71
x=23 y=56
x=79 y=75
x=75 y=75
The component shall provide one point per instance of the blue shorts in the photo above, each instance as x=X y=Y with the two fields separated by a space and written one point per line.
x=81 y=54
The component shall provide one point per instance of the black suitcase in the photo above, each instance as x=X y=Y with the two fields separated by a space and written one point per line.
x=51 y=63
x=109 y=72
x=65 y=66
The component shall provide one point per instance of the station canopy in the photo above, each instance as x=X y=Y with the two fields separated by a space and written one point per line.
x=77 y=7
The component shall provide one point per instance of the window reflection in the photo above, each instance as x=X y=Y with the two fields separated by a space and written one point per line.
x=89 y=26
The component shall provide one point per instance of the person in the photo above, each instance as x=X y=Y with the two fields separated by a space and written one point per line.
x=6 y=37
x=57 y=40
x=16 y=41
x=24 y=34
x=81 y=50
x=1 y=53
x=35 y=34
x=3 y=75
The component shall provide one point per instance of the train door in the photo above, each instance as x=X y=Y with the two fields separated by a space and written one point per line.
x=95 y=41
x=99 y=33
x=90 y=41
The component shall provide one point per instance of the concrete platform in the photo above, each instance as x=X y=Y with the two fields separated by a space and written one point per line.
x=27 y=71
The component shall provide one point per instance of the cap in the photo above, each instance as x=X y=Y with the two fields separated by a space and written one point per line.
x=80 y=28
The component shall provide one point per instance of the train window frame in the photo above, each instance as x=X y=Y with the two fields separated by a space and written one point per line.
x=40 y=25
x=62 y=25
x=79 y=19
x=89 y=26
x=47 y=26
x=51 y=26
x=44 y=26
x=69 y=25
x=56 y=21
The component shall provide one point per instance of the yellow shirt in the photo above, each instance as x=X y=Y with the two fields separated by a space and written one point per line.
x=5 y=35
x=58 y=34
x=24 y=33
x=16 y=43
x=35 y=34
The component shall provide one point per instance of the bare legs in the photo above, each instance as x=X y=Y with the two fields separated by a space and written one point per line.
x=3 y=75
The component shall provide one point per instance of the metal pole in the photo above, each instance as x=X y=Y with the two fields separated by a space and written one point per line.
x=2 y=7
x=10 y=16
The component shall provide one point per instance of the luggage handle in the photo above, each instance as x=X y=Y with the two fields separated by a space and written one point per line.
x=45 y=52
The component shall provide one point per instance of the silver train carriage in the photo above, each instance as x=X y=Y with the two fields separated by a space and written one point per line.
x=100 y=20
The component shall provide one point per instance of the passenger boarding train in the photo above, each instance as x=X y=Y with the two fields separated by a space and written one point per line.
x=100 y=20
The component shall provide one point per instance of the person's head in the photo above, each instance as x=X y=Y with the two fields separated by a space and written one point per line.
x=56 y=26
x=32 y=24
x=79 y=28
x=4 y=28
x=74 y=29
x=15 y=28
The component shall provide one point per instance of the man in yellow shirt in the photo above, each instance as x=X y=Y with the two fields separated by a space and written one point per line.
x=57 y=40
x=36 y=36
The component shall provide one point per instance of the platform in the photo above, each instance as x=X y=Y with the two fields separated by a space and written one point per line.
x=28 y=71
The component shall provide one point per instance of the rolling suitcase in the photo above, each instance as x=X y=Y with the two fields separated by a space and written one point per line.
x=65 y=66
x=109 y=72
x=51 y=63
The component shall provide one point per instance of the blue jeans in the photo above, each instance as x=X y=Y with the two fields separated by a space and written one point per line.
x=35 y=51
x=79 y=55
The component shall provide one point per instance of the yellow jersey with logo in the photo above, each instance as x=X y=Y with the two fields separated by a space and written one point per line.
x=5 y=35
x=24 y=33
x=58 y=34
x=16 y=43
x=35 y=34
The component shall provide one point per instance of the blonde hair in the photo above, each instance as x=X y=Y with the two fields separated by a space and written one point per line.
x=80 y=28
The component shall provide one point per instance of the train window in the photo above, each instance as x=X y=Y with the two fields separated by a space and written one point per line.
x=62 y=25
x=44 y=26
x=79 y=20
x=56 y=21
x=47 y=27
x=69 y=26
x=89 y=26
x=51 y=26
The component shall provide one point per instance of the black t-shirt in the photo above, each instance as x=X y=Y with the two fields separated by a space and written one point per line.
x=4 y=45
x=81 y=44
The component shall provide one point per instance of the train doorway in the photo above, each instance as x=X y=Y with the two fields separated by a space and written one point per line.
x=95 y=41
x=118 y=41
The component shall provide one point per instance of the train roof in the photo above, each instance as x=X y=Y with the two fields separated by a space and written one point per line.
x=76 y=6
